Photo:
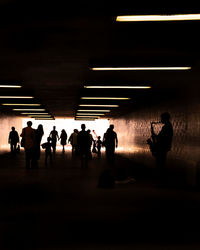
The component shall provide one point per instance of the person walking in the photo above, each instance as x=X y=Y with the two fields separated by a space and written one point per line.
x=39 y=132
x=13 y=140
x=73 y=141
x=28 y=136
x=63 y=139
x=83 y=143
x=54 y=136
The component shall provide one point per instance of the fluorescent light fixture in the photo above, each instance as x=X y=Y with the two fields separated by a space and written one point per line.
x=10 y=86
x=34 y=113
x=90 y=114
x=44 y=118
x=97 y=105
x=117 y=87
x=93 y=110
x=84 y=119
x=20 y=104
x=142 y=68
x=39 y=115
x=29 y=109
x=144 y=18
x=105 y=98
x=17 y=97
x=86 y=116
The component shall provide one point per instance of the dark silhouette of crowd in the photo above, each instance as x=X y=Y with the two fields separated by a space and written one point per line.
x=84 y=144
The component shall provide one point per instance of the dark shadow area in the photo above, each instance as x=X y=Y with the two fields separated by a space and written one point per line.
x=60 y=207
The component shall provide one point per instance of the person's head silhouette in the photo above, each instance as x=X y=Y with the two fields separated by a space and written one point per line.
x=54 y=127
x=13 y=128
x=83 y=126
x=111 y=126
x=165 y=117
x=29 y=123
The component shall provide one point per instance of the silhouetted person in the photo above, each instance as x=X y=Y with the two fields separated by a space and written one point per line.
x=63 y=137
x=47 y=146
x=73 y=141
x=99 y=145
x=83 y=142
x=28 y=134
x=91 y=141
x=54 y=136
x=13 y=140
x=39 y=132
x=111 y=142
x=161 y=144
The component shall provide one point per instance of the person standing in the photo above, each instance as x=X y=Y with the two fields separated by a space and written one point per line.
x=161 y=143
x=39 y=132
x=111 y=142
x=91 y=141
x=99 y=145
x=54 y=136
x=83 y=143
x=63 y=137
x=47 y=146
x=28 y=134
x=13 y=140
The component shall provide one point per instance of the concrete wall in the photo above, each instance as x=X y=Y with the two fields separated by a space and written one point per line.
x=134 y=129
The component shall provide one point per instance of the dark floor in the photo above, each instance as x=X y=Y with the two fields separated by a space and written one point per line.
x=61 y=208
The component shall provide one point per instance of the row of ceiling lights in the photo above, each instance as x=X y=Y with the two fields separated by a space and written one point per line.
x=37 y=113
x=89 y=114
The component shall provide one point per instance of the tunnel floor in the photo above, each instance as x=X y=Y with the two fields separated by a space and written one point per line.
x=61 y=208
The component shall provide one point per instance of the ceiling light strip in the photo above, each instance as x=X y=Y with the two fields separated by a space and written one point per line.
x=140 y=68
x=98 y=105
x=20 y=104
x=105 y=98
x=144 y=18
x=93 y=110
x=16 y=97
x=29 y=109
x=117 y=87
x=10 y=86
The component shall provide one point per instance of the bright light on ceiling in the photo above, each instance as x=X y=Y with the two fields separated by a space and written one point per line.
x=144 y=18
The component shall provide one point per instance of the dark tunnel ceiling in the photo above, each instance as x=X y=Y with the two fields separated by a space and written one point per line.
x=48 y=47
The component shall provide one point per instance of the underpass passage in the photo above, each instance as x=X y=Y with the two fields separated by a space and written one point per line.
x=62 y=207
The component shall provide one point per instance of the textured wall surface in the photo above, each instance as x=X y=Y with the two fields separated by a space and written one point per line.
x=134 y=129
x=6 y=122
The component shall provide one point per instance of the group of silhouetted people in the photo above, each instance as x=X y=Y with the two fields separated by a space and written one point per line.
x=83 y=144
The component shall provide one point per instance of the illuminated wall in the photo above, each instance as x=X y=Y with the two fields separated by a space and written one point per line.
x=6 y=122
x=134 y=129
